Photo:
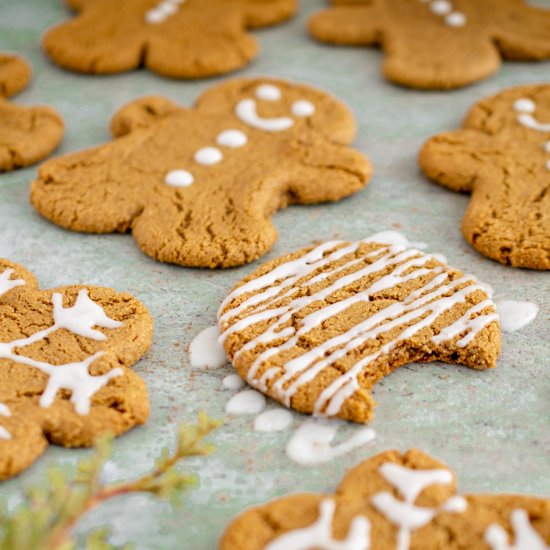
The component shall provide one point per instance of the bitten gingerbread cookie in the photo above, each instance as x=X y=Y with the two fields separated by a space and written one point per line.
x=176 y=38
x=393 y=500
x=315 y=330
x=27 y=134
x=198 y=187
x=64 y=366
x=438 y=44
x=502 y=157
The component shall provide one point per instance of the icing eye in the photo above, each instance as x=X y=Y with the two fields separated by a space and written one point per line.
x=268 y=92
x=303 y=108
x=208 y=156
x=179 y=178
x=524 y=105
x=232 y=138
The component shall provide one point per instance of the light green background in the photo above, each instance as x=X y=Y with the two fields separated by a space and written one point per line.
x=492 y=427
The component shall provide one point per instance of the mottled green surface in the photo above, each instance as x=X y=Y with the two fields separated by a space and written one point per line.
x=493 y=427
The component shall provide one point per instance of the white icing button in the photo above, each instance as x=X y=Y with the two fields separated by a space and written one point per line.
x=547 y=146
x=441 y=7
x=268 y=92
x=179 y=178
x=455 y=19
x=208 y=156
x=155 y=16
x=167 y=8
x=303 y=108
x=232 y=138
x=524 y=105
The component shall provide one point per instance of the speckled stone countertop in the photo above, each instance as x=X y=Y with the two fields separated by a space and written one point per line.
x=491 y=427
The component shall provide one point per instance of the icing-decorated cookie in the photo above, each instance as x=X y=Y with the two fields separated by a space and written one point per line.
x=198 y=187
x=176 y=38
x=315 y=330
x=64 y=366
x=394 y=501
x=502 y=157
x=27 y=134
x=438 y=44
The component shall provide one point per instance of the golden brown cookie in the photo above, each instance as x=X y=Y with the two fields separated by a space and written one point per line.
x=316 y=329
x=502 y=157
x=438 y=44
x=27 y=134
x=198 y=187
x=64 y=366
x=176 y=38
x=391 y=501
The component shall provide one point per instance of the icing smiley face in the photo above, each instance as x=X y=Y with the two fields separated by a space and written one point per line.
x=64 y=366
x=198 y=186
x=246 y=111
x=526 y=109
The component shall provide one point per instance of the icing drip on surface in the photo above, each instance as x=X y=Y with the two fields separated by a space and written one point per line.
x=515 y=315
x=311 y=443
x=7 y=283
x=319 y=534
x=526 y=538
x=206 y=351
x=526 y=109
x=444 y=8
x=246 y=402
x=233 y=382
x=421 y=307
x=162 y=11
x=4 y=411
x=80 y=320
x=274 y=420
x=410 y=483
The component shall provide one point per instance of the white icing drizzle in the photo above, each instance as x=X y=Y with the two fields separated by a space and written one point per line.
x=526 y=108
x=206 y=350
x=179 y=178
x=311 y=443
x=246 y=402
x=80 y=320
x=422 y=307
x=515 y=315
x=7 y=283
x=526 y=538
x=233 y=382
x=319 y=534
x=4 y=411
x=444 y=8
x=208 y=156
x=232 y=139
x=162 y=11
x=274 y=420
x=410 y=483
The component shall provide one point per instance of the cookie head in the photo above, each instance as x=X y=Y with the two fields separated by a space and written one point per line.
x=251 y=147
x=501 y=156
x=315 y=330
x=64 y=366
x=405 y=500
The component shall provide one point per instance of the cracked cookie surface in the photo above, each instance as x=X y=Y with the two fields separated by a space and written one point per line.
x=315 y=330
x=394 y=500
x=502 y=157
x=27 y=134
x=198 y=186
x=175 y=38
x=64 y=366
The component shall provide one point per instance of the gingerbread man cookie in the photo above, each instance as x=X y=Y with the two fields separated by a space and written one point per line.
x=502 y=157
x=393 y=500
x=64 y=366
x=316 y=329
x=438 y=44
x=198 y=187
x=27 y=134
x=176 y=38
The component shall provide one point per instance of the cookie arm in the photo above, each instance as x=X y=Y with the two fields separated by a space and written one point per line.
x=455 y=159
x=262 y=13
x=348 y=25
x=523 y=33
x=141 y=113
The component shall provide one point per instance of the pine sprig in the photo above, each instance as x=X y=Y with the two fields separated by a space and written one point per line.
x=48 y=515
